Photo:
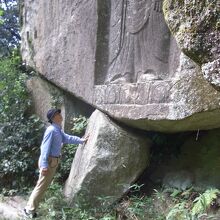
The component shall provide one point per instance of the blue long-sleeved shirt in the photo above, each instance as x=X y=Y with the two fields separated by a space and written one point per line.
x=52 y=143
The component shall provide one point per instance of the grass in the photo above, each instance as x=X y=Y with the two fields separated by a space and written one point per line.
x=133 y=207
x=162 y=204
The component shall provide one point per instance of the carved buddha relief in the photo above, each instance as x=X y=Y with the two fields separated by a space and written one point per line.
x=139 y=42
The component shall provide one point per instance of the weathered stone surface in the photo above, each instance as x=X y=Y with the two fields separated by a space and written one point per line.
x=140 y=43
x=108 y=164
x=181 y=180
x=169 y=105
x=124 y=63
x=195 y=25
x=45 y=95
x=197 y=161
x=59 y=40
x=211 y=72
x=11 y=208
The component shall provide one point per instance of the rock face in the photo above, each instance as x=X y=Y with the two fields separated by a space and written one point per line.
x=108 y=164
x=196 y=27
x=197 y=163
x=44 y=96
x=11 y=208
x=181 y=180
x=120 y=57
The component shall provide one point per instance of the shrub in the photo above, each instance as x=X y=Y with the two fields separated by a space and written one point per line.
x=20 y=133
x=204 y=201
x=79 y=125
x=132 y=208
x=55 y=207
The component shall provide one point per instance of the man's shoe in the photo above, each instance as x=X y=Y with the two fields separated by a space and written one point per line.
x=30 y=215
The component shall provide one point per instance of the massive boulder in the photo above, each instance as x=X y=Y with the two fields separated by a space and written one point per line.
x=45 y=95
x=107 y=165
x=196 y=27
x=121 y=57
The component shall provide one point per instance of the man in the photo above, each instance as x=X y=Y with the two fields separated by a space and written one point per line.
x=49 y=159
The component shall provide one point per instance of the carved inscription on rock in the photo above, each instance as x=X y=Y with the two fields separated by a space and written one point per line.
x=133 y=94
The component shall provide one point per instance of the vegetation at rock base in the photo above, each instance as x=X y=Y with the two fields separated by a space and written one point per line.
x=161 y=204
x=20 y=132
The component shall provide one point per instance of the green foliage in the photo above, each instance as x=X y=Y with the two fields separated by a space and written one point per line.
x=79 y=125
x=204 y=201
x=55 y=207
x=192 y=205
x=135 y=187
x=9 y=26
x=68 y=153
x=1 y=12
x=132 y=208
x=14 y=97
x=57 y=99
x=159 y=195
x=180 y=212
x=162 y=204
x=20 y=133
x=138 y=208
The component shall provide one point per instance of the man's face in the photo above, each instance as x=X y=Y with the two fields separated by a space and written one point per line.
x=57 y=118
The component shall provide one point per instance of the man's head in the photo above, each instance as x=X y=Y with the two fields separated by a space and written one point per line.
x=54 y=115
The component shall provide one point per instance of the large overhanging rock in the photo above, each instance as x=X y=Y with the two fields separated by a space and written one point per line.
x=108 y=164
x=45 y=95
x=124 y=63
x=196 y=27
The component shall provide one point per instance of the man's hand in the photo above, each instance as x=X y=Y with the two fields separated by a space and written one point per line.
x=85 y=139
x=44 y=171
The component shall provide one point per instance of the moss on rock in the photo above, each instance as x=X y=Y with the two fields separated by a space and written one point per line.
x=195 y=25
